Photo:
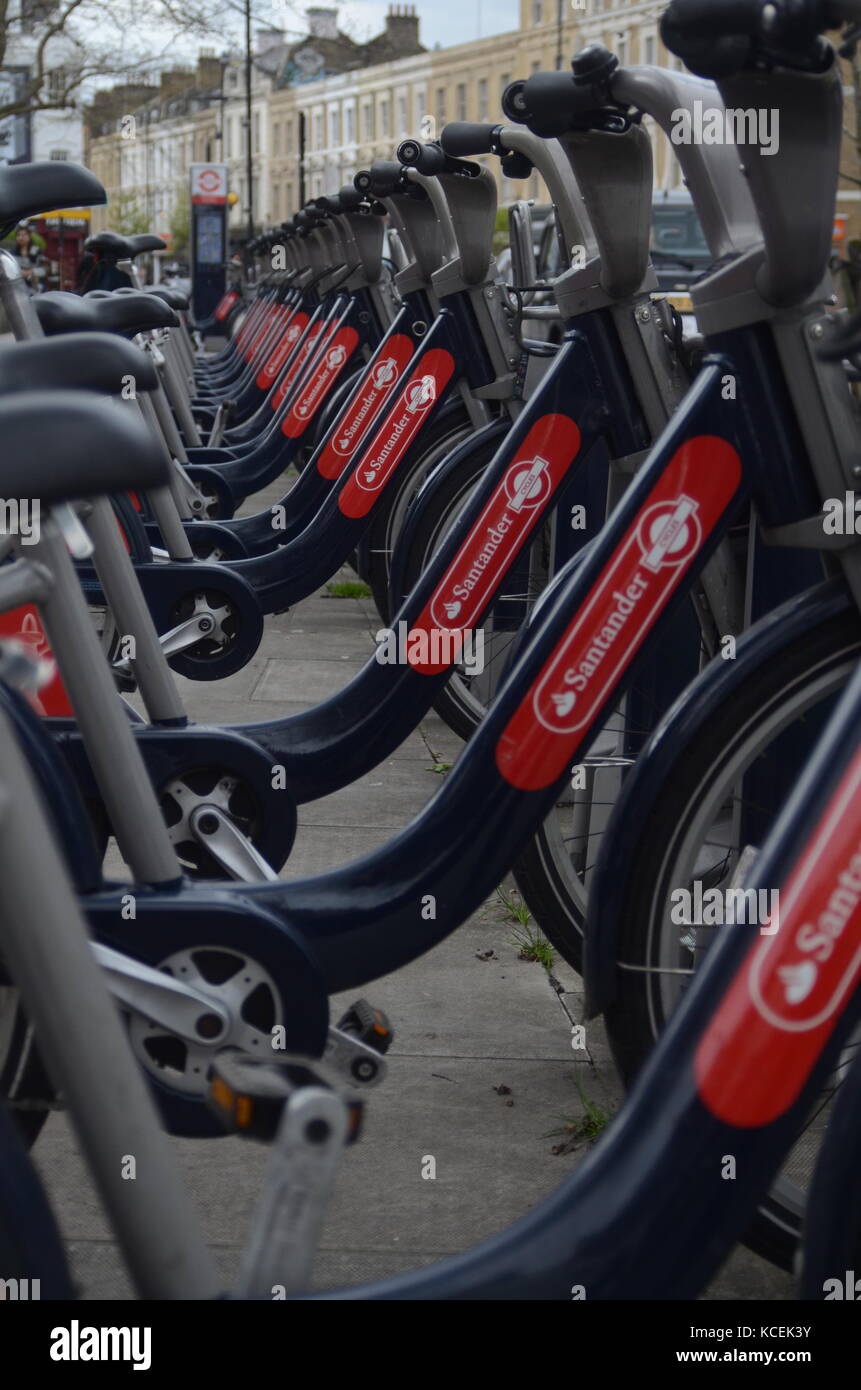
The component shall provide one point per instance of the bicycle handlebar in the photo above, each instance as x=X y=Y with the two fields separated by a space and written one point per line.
x=460 y=139
x=431 y=159
x=428 y=159
x=385 y=176
x=717 y=40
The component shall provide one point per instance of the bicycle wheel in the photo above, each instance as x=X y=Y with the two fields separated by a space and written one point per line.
x=554 y=872
x=728 y=779
x=23 y=1082
x=438 y=439
x=30 y=1246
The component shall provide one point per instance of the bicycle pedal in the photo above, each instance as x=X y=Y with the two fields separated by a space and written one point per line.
x=371 y=1026
x=124 y=678
x=249 y=1097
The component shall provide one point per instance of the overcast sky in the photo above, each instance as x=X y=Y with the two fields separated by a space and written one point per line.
x=156 y=46
x=441 y=21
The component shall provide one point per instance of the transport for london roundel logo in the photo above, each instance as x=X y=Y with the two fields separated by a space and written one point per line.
x=669 y=533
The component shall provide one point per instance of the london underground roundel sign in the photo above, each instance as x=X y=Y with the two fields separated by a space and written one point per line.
x=209 y=183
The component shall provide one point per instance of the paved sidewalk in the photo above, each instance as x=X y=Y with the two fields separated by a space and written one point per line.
x=482 y=1069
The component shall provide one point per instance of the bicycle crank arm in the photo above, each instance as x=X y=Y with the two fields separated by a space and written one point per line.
x=299 y=1185
x=297 y=1105
x=186 y=634
x=220 y=835
x=356 y=1061
x=190 y=491
x=187 y=1012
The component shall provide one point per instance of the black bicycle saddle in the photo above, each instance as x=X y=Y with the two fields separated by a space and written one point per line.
x=175 y=298
x=60 y=446
x=102 y=312
x=146 y=241
x=85 y=361
x=119 y=248
x=28 y=189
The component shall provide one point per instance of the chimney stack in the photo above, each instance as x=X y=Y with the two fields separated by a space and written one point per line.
x=402 y=27
x=174 y=81
x=322 y=23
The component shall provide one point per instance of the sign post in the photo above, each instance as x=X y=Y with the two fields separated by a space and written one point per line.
x=208 y=237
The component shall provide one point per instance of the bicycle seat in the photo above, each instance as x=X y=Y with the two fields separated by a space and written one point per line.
x=110 y=244
x=146 y=241
x=175 y=298
x=28 y=189
x=87 y=361
x=61 y=446
x=61 y=312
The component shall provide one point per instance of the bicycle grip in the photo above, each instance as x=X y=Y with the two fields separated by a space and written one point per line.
x=427 y=159
x=550 y=99
x=384 y=176
x=349 y=198
x=460 y=139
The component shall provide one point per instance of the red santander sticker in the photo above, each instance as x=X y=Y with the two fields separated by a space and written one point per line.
x=318 y=337
x=397 y=432
x=320 y=383
x=225 y=305
x=609 y=628
x=508 y=517
x=22 y=625
x=261 y=333
x=375 y=389
x=771 y=1026
x=275 y=361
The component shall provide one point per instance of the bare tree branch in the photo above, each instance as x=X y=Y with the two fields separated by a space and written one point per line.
x=80 y=23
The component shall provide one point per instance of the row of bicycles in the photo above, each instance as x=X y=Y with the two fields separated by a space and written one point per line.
x=627 y=521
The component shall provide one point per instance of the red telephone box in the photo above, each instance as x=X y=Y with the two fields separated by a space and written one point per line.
x=64 y=234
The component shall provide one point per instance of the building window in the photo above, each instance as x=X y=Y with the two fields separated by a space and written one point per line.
x=334 y=129
x=57 y=84
x=384 y=119
x=483 y=109
x=460 y=102
x=622 y=47
x=256 y=132
x=420 y=107
x=402 y=117
x=350 y=118
x=368 y=121
x=504 y=81
x=288 y=136
x=318 y=131
x=440 y=106
x=537 y=14
x=276 y=138
x=276 y=201
x=650 y=50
